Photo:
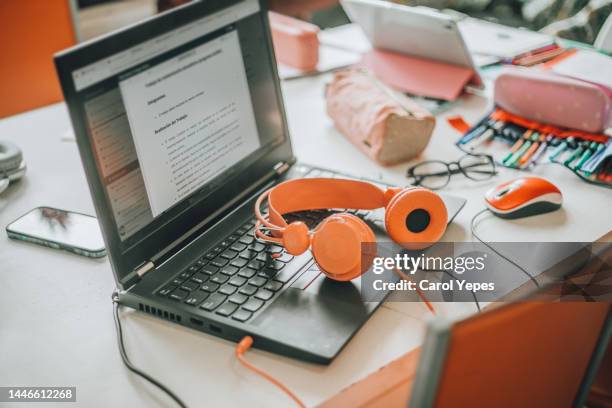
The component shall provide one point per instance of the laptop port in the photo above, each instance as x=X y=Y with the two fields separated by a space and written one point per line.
x=215 y=329
x=197 y=322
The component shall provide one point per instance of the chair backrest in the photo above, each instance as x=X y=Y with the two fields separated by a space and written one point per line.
x=31 y=31
x=522 y=354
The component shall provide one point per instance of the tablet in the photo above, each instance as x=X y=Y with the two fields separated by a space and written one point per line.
x=417 y=31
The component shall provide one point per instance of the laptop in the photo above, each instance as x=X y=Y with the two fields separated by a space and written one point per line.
x=180 y=125
x=417 y=31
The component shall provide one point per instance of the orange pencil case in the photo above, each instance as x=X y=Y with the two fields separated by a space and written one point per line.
x=296 y=42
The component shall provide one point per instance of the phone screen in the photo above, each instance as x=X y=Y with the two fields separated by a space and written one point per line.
x=70 y=230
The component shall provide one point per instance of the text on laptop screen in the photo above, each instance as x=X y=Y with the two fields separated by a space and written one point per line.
x=175 y=115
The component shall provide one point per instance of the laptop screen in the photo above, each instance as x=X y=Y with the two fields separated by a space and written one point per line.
x=174 y=117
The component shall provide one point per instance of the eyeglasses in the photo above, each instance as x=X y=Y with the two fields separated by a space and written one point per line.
x=436 y=174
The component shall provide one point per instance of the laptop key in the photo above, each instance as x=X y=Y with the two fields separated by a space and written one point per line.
x=247 y=273
x=166 y=290
x=238 y=298
x=210 y=287
x=199 y=278
x=242 y=315
x=248 y=290
x=219 y=278
x=179 y=294
x=284 y=258
x=209 y=269
x=229 y=254
x=257 y=265
x=227 y=309
x=238 y=247
x=274 y=249
x=213 y=302
x=189 y=285
x=247 y=240
x=177 y=281
x=219 y=262
x=228 y=289
x=276 y=265
x=185 y=274
x=237 y=281
x=264 y=294
x=258 y=281
x=274 y=286
x=229 y=270
x=239 y=262
x=286 y=275
x=196 y=298
x=248 y=254
x=253 y=305
x=258 y=246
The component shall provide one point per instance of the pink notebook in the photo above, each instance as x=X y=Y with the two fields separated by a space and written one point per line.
x=418 y=76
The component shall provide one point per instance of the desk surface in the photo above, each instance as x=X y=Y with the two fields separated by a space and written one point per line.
x=57 y=326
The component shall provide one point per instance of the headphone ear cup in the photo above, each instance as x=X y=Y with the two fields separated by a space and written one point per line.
x=337 y=246
x=416 y=218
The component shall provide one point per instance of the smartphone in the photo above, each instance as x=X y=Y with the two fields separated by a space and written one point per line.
x=59 y=229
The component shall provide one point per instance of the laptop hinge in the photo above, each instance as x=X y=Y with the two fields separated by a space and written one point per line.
x=138 y=273
x=281 y=167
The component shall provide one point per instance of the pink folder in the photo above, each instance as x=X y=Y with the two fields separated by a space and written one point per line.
x=418 y=76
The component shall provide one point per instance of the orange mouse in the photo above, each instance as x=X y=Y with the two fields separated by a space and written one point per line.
x=523 y=197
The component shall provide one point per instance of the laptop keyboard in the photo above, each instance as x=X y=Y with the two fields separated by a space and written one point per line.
x=241 y=274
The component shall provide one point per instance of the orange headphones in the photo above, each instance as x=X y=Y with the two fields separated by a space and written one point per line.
x=415 y=218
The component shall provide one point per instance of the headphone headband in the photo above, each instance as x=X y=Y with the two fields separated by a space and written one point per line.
x=320 y=193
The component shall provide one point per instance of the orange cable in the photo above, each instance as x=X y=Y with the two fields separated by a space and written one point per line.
x=242 y=347
x=418 y=291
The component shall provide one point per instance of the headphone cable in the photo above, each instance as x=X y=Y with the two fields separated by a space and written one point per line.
x=129 y=364
x=473 y=231
x=243 y=346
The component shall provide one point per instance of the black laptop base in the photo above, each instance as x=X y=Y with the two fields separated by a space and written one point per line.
x=217 y=286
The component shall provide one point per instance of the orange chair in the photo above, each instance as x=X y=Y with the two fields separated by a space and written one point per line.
x=527 y=354
x=31 y=31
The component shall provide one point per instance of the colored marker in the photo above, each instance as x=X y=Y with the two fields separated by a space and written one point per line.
x=517 y=146
x=518 y=154
x=485 y=137
x=595 y=156
x=585 y=156
x=536 y=140
x=471 y=135
x=540 y=152
x=576 y=153
x=558 y=150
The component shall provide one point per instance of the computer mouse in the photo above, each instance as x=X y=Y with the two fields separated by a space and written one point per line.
x=523 y=197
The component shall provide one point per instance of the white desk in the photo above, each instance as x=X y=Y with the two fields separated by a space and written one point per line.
x=56 y=326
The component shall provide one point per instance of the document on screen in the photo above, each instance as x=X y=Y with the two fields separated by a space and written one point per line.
x=191 y=118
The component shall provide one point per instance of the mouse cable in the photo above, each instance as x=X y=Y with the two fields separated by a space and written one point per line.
x=129 y=364
x=473 y=231
x=243 y=346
